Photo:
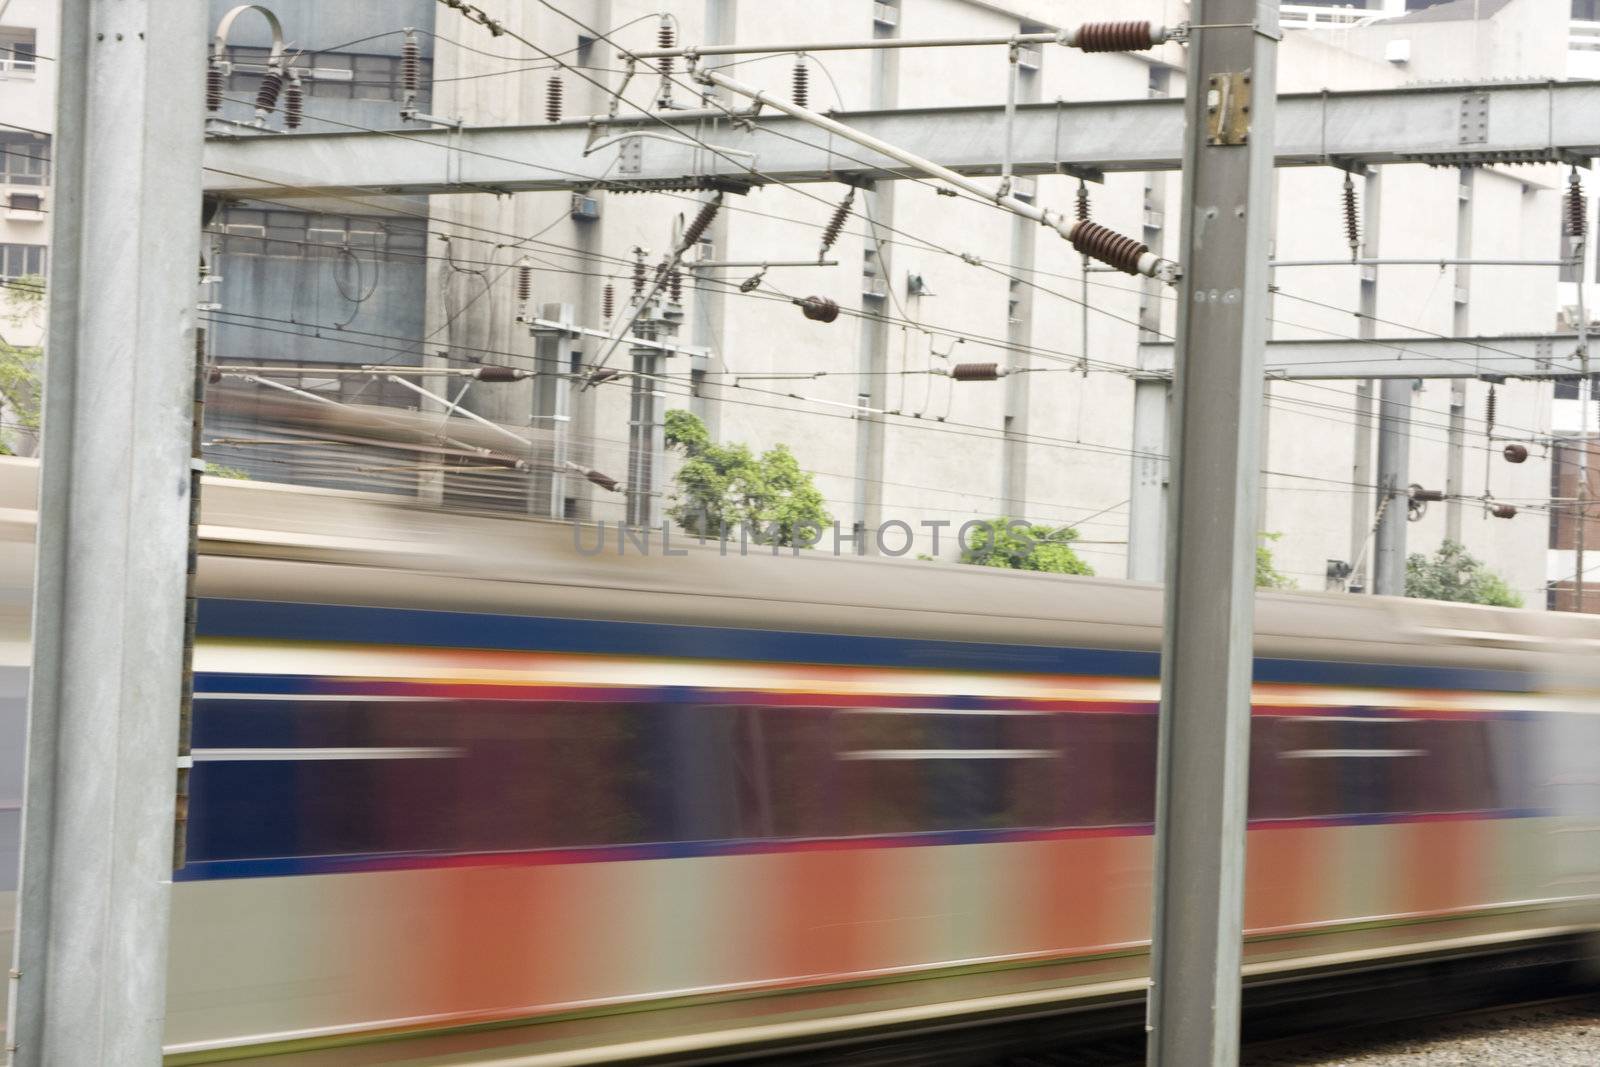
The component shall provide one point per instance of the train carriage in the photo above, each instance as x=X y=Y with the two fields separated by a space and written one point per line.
x=450 y=772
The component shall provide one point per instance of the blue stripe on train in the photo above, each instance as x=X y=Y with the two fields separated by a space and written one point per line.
x=273 y=620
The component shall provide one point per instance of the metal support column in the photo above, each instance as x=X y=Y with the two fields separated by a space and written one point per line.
x=1394 y=461
x=647 y=426
x=1204 y=747
x=89 y=974
x=1152 y=397
x=1362 y=503
x=1147 y=501
x=1455 y=467
x=552 y=402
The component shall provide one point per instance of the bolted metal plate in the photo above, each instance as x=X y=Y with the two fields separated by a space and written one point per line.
x=1474 y=125
x=1228 y=109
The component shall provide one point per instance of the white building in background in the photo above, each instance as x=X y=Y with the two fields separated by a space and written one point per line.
x=930 y=281
x=28 y=33
x=924 y=281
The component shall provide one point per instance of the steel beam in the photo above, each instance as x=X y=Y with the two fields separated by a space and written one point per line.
x=1520 y=122
x=1203 y=755
x=1530 y=356
x=90 y=971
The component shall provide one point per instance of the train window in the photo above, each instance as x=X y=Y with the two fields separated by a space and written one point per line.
x=871 y=771
x=297 y=779
x=1336 y=766
x=337 y=776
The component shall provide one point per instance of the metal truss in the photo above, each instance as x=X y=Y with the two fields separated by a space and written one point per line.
x=1444 y=125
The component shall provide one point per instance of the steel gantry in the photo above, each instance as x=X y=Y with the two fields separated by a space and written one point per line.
x=1500 y=122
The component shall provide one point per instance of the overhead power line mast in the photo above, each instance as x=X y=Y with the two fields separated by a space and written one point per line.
x=1204 y=747
x=1527 y=122
x=1089 y=238
x=89 y=979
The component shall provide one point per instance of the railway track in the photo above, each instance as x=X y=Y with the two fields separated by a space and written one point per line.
x=1509 y=1033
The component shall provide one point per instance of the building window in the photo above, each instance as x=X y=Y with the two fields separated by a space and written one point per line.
x=24 y=159
x=1587 y=10
x=21 y=261
x=328 y=75
x=254 y=232
x=19 y=51
x=25 y=202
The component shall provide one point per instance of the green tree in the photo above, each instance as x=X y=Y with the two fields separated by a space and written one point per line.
x=1453 y=574
x=1268 y=576
x=20 y=364
x=727 y=487
x=1018 y=545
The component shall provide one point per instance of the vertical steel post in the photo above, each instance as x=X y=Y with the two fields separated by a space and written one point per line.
x=90 y=967
x=1455 y=468
x=1204 y=747
x=1362 y=502
x=1585 y=392
x=1394 y=460
x=1394 y=465
x=1147 y=499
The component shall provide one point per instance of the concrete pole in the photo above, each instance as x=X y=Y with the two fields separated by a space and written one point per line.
x=1394 y=461
x=1204 y=749
x=90 y=966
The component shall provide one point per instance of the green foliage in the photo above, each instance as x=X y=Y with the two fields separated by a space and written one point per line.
x=217 y=470
x=1452 y=574
x=1018 y=545
x=20 y=364
x=1268 y=576
x=727 y=487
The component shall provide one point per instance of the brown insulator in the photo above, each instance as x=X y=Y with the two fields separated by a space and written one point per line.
x=1504 y=511
x=294 y=103
x=1515 y=453
x=675 y=285
x=1429 y=496
x=411 y=64
x=1489 y=412
x=489 y=372
x=802 y=83
x=818 y=308
x=604 y=481
x=1352 y=218
x=608 y=301
x=664 y=39
x=524 y=283
x=830 y=232
x=496 y=458
x=214 y=86
x=1083 y=200
x=1114 y=37
x=701 y=223
x=638 y=273
x=975 y=372
x=552 y=99
x=1577 y=213
x=1108 y=246
x=604 y=374
x=267 y=95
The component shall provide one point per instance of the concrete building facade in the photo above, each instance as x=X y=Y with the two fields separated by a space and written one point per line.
x=924 y=281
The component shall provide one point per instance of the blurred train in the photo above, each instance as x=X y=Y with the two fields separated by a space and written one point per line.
x=452 y=774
